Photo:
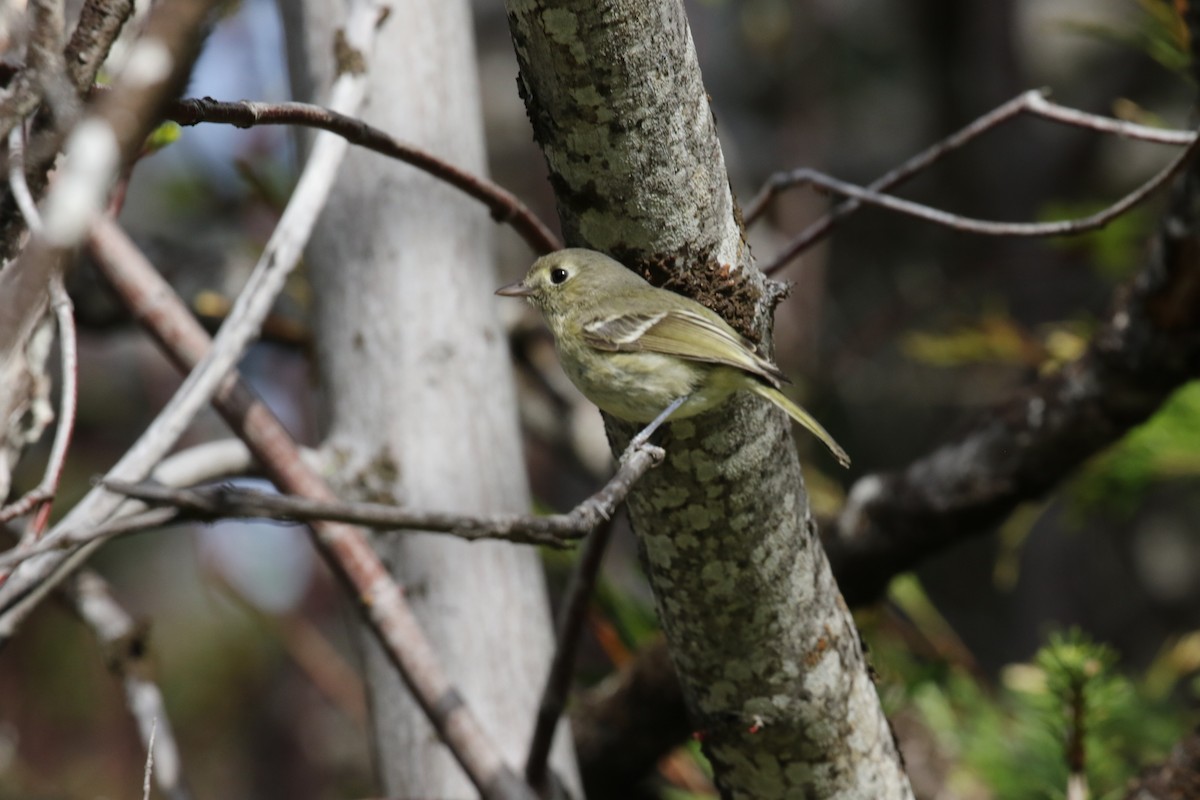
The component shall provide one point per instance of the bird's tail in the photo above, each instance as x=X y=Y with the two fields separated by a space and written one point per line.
x=804 y=418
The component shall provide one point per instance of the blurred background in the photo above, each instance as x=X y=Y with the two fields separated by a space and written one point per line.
x=897 y=332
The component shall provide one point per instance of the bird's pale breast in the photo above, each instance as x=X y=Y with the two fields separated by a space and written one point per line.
x=637 y=386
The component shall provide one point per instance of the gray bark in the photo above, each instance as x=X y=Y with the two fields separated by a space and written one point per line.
x=26 y=339
x=421 y=407
x=770 y=661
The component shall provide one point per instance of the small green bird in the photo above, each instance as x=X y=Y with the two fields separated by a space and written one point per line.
x=634 y=349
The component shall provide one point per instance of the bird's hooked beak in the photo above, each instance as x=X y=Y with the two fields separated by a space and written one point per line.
x=518 y=289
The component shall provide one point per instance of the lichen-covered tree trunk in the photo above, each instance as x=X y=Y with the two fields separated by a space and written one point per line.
x=767 y=652
x=421 y=406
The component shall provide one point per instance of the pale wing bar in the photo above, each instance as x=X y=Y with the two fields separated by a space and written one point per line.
x=680 y=333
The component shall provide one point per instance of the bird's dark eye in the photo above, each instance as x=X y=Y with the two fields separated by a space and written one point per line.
x=558 y=275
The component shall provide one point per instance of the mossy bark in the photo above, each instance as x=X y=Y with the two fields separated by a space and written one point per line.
x=767 y=652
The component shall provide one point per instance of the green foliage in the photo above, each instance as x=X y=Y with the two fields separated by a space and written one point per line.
x=165 y=134
x=697 y=774
x=1114 y=251
x=1011 y=742
x=1159 y=33
x=1163 y=35
x=1165 y=446
x=634 y=620
x=996 y=338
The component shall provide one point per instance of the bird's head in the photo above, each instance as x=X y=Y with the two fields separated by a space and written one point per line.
x=572 y=279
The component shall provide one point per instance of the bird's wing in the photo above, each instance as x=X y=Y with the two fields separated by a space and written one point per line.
x=679 y=332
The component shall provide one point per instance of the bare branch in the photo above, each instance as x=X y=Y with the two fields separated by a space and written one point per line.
x=19 y=386
x=149 y=762
x=100 y=23
x=281 y=254
x=1148 y=347
x=110 y=137
x=1037 y=103
x=64 y=313
x=1034 y=102
x=205 y=462
x=983 y=227
x=23 y=504
x=16 y=179
x=43 y=64
x=380 y=600
x=25 y=345
x=556 y=530
x=570 y=627
x=134 y=521
x=129 y=656
x=504 y=206
x=625 y=725
x=44 y=54
x=210 y=461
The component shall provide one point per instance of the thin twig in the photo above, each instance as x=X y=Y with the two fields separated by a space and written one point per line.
x=1022 y=449
x=281 y=254
x=60 y=302
x=100 y=22
x=211 y=461
x=125 y=523
x=1034 y=102
x=1037 y=103
x=64 y=314
x=16 y=179
x=95 y=153
x=556 y=530
x=63 y=78
x=129 y=656
x=570 y=627
x=808 y=177
x=23 y=504
x=43 y=64
x=149 y=761
x=381 y=602
x=504 y=206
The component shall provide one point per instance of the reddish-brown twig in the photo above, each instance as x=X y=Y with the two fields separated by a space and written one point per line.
x=68 y=214
x=345 y=547
x=504 y=206
x=64 y=314
x=41 y=496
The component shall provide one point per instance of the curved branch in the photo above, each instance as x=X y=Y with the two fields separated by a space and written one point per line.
x=1148 y=348
x=983 y=227
x=504 y=206
x=65 y=218
x=345 y=548
x=100 y=23
x=569 y=629
x=555 y=530
x=1032 y=102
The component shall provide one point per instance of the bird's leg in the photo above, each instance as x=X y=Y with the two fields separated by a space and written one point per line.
x=644 y=435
